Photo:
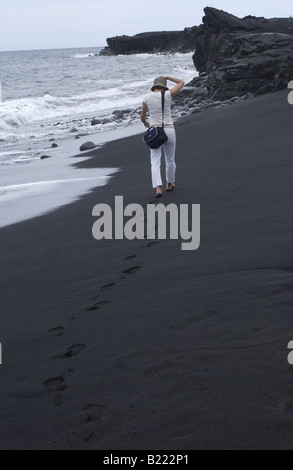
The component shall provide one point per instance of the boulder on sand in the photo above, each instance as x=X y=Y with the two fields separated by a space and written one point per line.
x=87 y=146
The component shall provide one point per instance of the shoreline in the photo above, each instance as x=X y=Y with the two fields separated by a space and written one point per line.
x=39 y=187
x=119 y=344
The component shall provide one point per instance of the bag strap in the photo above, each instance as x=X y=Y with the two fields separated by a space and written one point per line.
x=163 y=108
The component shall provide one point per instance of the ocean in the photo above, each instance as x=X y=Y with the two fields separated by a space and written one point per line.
x=51 y=97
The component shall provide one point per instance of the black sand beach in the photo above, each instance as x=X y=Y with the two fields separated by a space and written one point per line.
x=119 y=344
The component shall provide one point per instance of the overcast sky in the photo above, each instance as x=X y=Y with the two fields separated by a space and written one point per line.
x=49 y=24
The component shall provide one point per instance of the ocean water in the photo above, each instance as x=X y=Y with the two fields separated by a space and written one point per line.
x=51 y=96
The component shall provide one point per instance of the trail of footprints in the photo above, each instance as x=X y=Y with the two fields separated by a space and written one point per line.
x=57 y=384
x=126 y=271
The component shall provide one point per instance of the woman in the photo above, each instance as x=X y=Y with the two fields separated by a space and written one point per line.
x=153 y=104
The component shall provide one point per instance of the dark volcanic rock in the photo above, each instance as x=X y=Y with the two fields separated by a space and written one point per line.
x=95 y=122
x=152 y=42
x=119 y=114
x=195 y=97
x=237 y=58
x=240 y=56
x=87 y=146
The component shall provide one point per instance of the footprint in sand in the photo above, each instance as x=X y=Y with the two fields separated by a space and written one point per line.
x=130 y=257
x=108 y=286
x=94 y=412
x=56 y=384
x=72 y=351
x=58 y=331
x=151 y=244
x=131 y=270
x=98 y=305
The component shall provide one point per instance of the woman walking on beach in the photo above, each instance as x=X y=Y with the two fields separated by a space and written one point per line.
x=152 y=104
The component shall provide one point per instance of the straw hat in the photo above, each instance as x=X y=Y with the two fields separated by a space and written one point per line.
x=162 y=82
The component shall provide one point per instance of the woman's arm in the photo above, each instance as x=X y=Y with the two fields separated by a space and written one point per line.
x=143 y=115
x=177 y=87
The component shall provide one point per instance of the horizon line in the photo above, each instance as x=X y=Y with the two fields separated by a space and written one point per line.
x=51 y=49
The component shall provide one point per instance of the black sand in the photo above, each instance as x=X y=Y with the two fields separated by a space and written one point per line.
x=119 y=344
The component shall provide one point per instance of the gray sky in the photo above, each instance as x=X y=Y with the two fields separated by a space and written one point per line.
x=49 y=24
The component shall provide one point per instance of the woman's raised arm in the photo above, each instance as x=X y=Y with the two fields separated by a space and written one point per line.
x=177 y=87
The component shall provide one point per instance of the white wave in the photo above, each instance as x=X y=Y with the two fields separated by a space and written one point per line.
x=159 y=54
x=15 y=191
x=16 y=113
x=66 y=91
x=83 y=56
x=10 y=152
x=22 y=159
x=12 y=157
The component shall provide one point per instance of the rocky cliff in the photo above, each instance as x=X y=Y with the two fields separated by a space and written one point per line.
x=240 y=56
x=236 y=58
x=153 y=42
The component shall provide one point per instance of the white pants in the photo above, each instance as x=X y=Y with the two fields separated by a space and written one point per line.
x=169 y=151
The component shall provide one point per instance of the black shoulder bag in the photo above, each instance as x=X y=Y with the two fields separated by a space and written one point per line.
x=156 y=136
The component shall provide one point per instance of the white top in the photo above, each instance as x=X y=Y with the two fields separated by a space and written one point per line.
x=154 y=104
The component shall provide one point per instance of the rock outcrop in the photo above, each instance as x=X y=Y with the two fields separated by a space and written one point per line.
x=241 y=56
x=153 y=42
x=237 y=58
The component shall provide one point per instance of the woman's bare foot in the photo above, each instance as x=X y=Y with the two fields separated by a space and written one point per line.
x=170 y=186
x=159 y=191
